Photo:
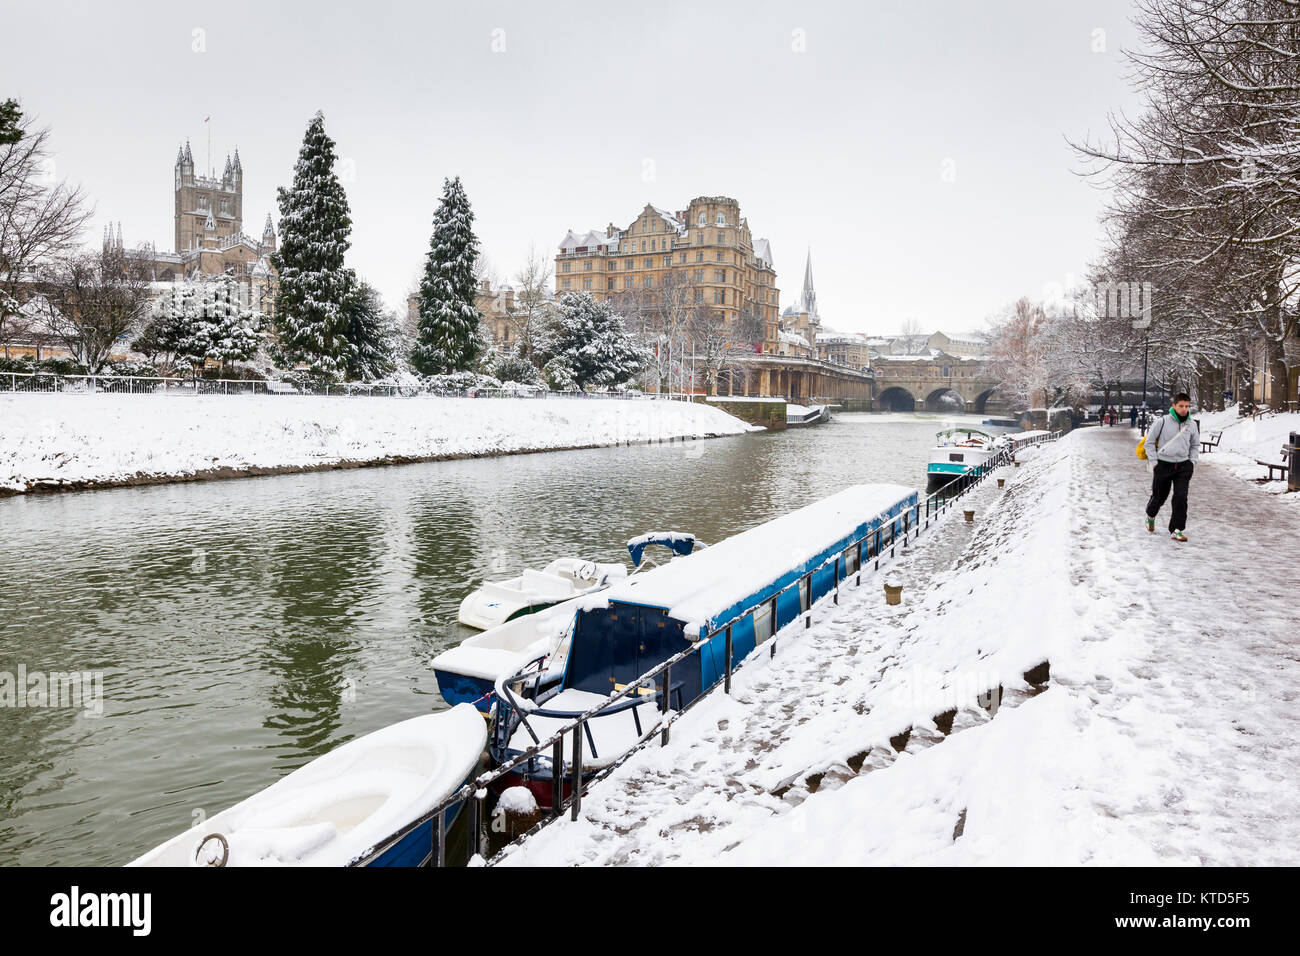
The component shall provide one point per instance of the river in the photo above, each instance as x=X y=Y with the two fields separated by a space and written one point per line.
x=244 y=627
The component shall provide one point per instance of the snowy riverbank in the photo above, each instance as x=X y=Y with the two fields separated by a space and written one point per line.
x=1158 y=737
x=50 y=442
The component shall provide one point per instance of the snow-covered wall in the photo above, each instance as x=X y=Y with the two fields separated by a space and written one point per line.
x=78 y=441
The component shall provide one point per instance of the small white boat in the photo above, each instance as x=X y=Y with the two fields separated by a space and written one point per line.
x=961 y=449
x=336 y=808
x=499 y=601
x=468 y=672
x=797 y=415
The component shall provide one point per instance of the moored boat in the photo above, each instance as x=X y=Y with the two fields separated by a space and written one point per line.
x=467 y=673
x=961 y=449
x=751 y=585
x=334 y=809
x=496 y=602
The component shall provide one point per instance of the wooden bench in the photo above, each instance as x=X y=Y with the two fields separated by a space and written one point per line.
x=1212 y=441
x=1273 y=466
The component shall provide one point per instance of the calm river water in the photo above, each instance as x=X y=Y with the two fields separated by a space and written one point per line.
x=245 y=627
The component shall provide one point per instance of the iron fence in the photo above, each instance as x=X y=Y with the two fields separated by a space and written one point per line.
x=49 y=382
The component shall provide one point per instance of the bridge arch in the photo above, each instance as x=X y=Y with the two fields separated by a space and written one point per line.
x=895 y=399
x=982 y=401
x=945 y=399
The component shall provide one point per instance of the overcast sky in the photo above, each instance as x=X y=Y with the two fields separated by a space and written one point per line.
x=918 y=149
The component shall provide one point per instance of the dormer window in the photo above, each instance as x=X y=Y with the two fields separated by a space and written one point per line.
x=703 y=220
x=722 y=219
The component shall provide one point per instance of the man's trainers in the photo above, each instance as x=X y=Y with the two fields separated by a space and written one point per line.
x=1177 y=536
x=1151 y=524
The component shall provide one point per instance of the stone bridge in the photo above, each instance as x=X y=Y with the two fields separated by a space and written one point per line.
x=933 y=384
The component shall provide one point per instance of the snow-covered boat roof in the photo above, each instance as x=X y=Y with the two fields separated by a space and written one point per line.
x=703 y=588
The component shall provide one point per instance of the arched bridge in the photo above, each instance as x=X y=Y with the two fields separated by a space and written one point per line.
x=934 y=384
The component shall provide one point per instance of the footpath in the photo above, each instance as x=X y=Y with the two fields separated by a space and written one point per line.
x=1059 y=686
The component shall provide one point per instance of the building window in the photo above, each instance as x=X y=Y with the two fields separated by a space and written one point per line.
x=668 y=261
x=649 y=282
x=586 y=265
x=719 y=296
x=703 y=220
x=722 y=219
x=627 y=282
x=627 y=263
x=565 y=266
x=699 y=275
x=609 y=284
x=699 y=257
x=586 y=282
x=652 y=244
x=722 y=256
x=643 y=245
x=681 y=257
x=719 y=275
x=566 y=283
x=722 y=238
x=647 y=263
x=699 y=296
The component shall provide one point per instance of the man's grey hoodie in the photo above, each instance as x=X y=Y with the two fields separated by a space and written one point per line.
x=1164 y=443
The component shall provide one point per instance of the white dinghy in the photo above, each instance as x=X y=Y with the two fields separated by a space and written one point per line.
x=499 y=601
x=334 y=809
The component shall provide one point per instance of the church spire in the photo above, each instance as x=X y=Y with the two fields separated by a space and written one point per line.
x=809 y=299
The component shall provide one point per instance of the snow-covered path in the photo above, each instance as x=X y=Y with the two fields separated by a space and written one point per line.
x=1161 y=738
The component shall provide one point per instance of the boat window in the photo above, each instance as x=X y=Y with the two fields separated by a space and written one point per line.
x=803 y=593
x=762 y=624
x=851 y=561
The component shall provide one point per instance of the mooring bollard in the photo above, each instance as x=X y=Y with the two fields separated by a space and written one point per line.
x=1016 y=462
x=893 y=589
x=1002 y=482
x=970 y=515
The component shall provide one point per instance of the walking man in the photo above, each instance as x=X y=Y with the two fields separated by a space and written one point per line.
x=1173 y=442
x=1132 y=416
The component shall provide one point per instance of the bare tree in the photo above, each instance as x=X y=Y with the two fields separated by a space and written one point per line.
x=92 y=301
x=914 y=339
x=40 y=218
x=532 y=301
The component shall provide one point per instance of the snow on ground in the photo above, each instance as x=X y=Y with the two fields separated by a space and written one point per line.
x=106 y=439
x=1167 y=734
x=1246 y=441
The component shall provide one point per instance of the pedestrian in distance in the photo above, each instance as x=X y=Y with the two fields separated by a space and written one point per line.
x=1173 y=444
x=1132 y=416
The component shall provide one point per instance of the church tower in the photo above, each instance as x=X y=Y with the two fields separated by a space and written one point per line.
x=207 y=207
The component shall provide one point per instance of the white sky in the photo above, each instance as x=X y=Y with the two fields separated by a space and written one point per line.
x=593 y=110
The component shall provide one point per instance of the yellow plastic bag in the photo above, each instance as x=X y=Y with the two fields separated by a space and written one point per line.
x=1142 y=448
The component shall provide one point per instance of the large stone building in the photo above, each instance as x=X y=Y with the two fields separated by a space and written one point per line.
x=209 y=234
x=705 y=252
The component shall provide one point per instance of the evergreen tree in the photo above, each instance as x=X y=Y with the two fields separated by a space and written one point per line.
x=449 y=339
x=315 y=223
x=202 y=321
x=374 y=334
x=588 y=345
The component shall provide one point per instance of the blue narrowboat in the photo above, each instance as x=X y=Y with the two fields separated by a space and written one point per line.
x=753 y=583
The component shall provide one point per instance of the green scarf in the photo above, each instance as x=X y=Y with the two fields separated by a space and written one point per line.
x=1180 y=418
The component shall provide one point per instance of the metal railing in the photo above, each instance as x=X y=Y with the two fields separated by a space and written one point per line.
x=50 y=382
x=912 y=521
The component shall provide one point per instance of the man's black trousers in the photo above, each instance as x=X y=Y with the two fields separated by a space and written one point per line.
x=1176 y=475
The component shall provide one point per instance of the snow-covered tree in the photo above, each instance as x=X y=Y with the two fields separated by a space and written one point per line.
x=374 y=334
x=315 y=225
x=449 y=338
x=587 y=345
x=201 y=322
